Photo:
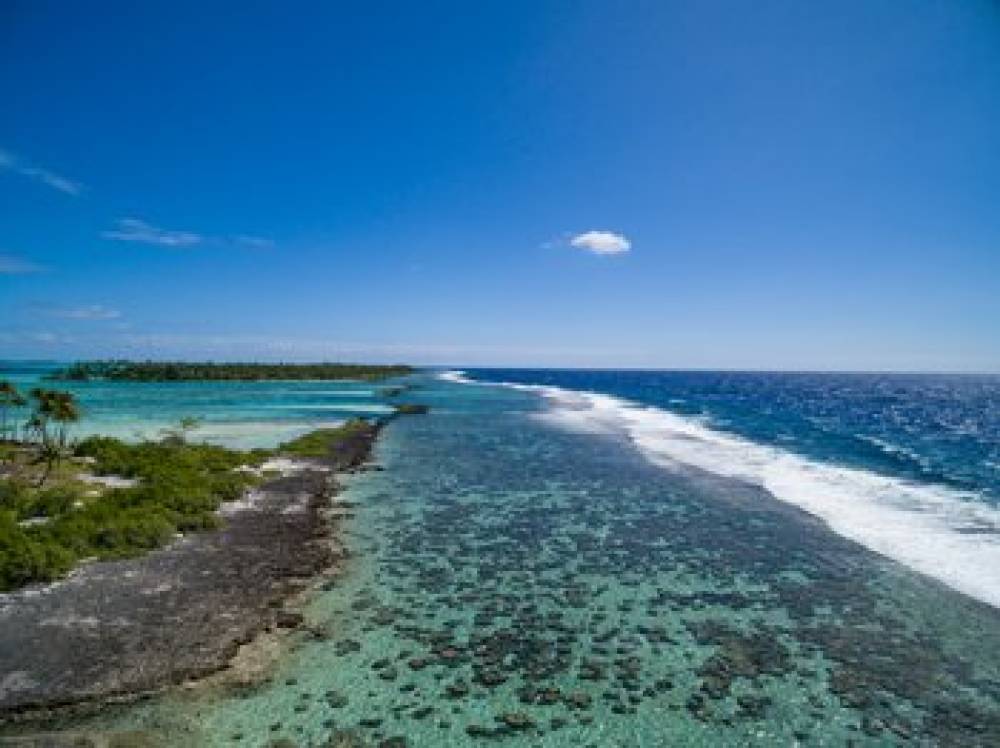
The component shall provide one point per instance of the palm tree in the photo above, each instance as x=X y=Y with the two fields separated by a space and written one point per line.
x=9 y=398
x=179 y=433
x=33 y=427
x=38 y=422
x=52 y=405
x=65 y=411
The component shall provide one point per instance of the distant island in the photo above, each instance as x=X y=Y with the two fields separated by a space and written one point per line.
x=183 y=371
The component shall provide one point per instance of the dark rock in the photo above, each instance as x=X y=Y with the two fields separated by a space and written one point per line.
x=288 y=619
x=345 y=739
x=336 y=700
x=457 y=690
x=516 y=720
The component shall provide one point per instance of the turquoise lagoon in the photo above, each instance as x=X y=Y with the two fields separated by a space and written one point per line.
x=517 y=579
x=241 y=415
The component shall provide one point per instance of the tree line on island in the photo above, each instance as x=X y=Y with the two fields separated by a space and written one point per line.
x=184 y=371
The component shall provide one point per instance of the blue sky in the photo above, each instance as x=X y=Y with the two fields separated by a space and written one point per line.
x=661 y=184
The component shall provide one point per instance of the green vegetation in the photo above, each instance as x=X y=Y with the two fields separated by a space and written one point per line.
x=10 y=398
x=51 y=406
x=411 y=409
x=51 y=517
x=178 y=371
x=46 y=531
x=48 y=407
x=179 y=433
x=319 y=443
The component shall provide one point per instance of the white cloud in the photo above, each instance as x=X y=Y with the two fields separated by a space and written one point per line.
x=601 y=242
x=136 y=230
x=46 y=177
x=53 y=180
x=253 y=242
x=16 y=266
x=91 y=311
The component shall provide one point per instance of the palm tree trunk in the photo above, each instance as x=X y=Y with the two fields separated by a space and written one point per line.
x=49 y=463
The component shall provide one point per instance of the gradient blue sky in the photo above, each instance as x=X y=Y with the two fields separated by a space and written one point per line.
x=801 y=185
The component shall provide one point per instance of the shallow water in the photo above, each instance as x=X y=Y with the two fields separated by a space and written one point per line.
x=517 y=582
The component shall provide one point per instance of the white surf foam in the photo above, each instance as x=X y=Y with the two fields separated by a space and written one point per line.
x=455 y=375
x=945 y=534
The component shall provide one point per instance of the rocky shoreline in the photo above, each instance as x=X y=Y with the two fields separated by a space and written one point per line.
x=119 y=630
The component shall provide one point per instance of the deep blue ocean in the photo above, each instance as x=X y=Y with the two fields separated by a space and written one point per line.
x=940 y=429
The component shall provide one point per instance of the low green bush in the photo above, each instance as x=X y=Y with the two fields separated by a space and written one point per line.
x=45 y=532
x=28 y=502
x=15 y=498
x=24 y=559
x=318 y=443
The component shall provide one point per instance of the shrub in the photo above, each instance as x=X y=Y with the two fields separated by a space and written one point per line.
x=24 y=560
x=179 y=490
x=319 y=443
x=180 y=486
x=15 y=497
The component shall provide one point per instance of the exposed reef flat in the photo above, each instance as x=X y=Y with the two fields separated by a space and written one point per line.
x=115 y=630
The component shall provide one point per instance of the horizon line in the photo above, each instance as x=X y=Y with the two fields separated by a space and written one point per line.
x=531 y=367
